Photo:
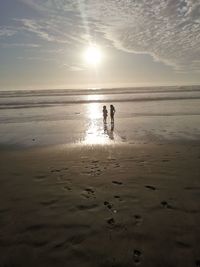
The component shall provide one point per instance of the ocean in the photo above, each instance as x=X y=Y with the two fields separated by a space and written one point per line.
x=31 y=118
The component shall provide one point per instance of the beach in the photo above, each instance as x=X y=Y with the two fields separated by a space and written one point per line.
x=128 y=206
x=75 y=192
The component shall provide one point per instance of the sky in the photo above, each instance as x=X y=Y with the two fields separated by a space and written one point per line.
x=142 y=42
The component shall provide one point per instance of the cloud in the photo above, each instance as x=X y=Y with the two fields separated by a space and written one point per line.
x=169 y=30
x=74 y=67
x=6 y=31
x=22 y=45
x=61 y=21
x=40 y=30
x=55 y=29
x=36 y=59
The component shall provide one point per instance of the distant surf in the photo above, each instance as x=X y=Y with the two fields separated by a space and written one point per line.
x=57 y=97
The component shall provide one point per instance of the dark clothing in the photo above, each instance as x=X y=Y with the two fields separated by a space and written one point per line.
x=105 y=114
x=112 y=112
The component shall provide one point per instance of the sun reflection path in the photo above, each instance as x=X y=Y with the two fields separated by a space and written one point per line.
x=97 y=132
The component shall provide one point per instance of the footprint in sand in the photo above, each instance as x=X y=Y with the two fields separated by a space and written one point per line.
x=95 y=161
x=40 y=177
x=137 y=256
x=55 y=170
x=116 y=165
x=166 y=205
x=67 y=188
x=111 y=221
x=118 y=197
x=59 y=170
x=94 y=169
x=87 y=207
x=48 y=202
x=165 y=160
x=89 y=193
x=108 y=205
x=150 y=187
x=123 y=138
x=138 y=219
x=116 y=182
x=89 y=190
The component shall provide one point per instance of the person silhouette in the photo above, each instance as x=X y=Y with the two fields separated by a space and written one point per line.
x=112 y=113
x=105 y=114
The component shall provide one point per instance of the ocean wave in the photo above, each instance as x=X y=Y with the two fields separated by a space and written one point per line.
x=61 y=102
x=104 y=91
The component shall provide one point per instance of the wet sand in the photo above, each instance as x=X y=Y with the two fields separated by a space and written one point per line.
x=88 y=206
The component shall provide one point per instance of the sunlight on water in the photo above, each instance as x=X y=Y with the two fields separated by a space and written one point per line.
x=94 y=110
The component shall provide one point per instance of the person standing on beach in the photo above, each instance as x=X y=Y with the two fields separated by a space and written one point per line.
x=105 y=114
x=112 y=113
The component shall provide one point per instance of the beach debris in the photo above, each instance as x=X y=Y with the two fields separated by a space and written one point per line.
x=111 y=221
x=116 y=182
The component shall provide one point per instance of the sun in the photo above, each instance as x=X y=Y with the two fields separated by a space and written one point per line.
x=93 y=55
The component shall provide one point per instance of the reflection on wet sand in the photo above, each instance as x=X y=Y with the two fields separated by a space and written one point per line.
x=109 y=132
x=98 y=131
x=94 y=134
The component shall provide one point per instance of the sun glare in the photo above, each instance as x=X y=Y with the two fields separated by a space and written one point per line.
x=93 y=55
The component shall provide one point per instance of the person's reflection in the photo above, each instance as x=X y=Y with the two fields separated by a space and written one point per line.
x=110 y=133
x=105 y=127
